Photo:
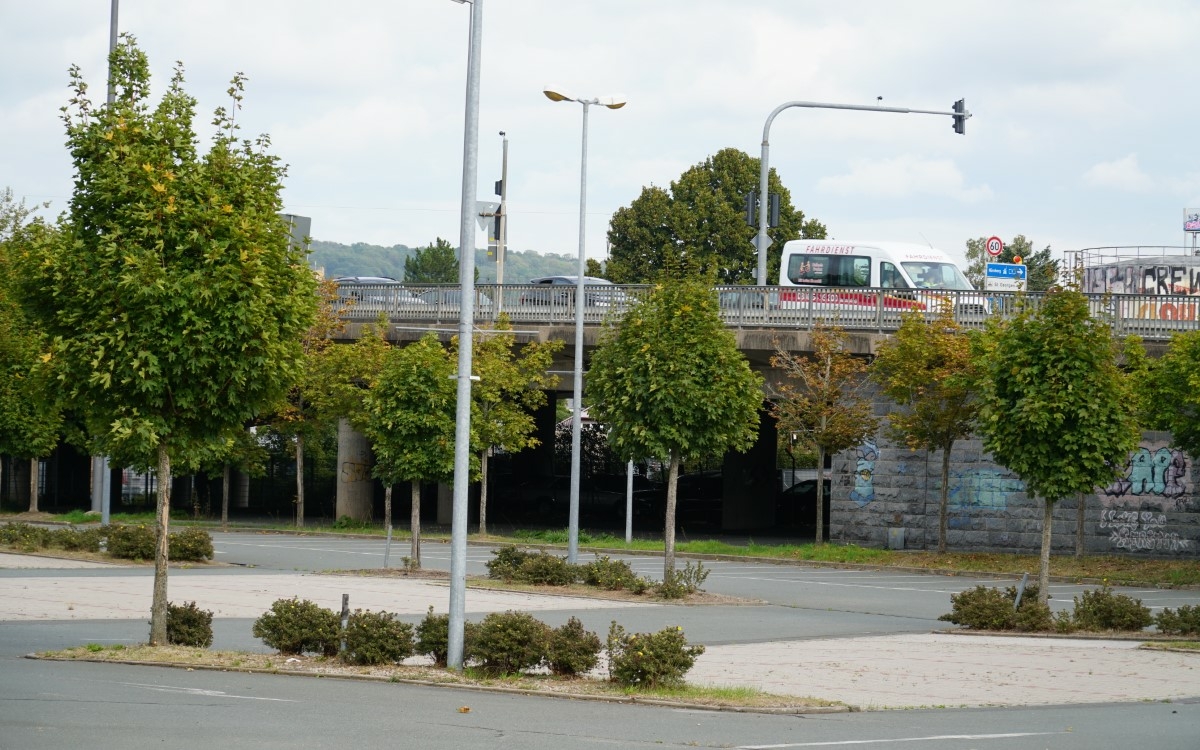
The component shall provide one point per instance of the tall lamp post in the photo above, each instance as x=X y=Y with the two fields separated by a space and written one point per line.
x=466 y=320
x=577 y=391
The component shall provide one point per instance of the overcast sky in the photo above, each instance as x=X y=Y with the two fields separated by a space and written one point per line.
x=1085 y=112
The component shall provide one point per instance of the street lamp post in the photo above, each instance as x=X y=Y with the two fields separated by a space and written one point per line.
x=466 y=321
x=762 y=240
x=577 y=390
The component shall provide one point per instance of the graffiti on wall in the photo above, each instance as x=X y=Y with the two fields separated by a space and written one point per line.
x=865 y=456
x=981 y=489
x=1141 y=531
x=1144 y=278
x=1154 y=470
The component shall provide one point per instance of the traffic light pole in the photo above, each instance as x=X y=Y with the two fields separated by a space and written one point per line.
x=762 y=240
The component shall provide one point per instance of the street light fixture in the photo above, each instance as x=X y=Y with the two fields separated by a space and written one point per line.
x=577 y=391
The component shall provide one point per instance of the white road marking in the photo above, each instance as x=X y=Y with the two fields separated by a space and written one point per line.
x=933 y=738
x=199 y=691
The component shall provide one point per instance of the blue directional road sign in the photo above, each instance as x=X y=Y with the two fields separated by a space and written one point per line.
x=1004 y=277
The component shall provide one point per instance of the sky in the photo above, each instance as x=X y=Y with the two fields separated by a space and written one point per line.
x=1083 y=111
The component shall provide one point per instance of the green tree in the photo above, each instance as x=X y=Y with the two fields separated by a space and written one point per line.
x=410 y=421
x=511 y=386
x=669 y=382
x=1174 y=382
x=822 y=401
x=1041 y=270
x=702 y=219
x=927 y=369
x=433 y=264
x=171 y=290
x=594 y=268
x=1055 y=408
x=30 y=415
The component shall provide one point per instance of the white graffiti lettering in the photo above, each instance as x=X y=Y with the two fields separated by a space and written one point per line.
x=1141 y=531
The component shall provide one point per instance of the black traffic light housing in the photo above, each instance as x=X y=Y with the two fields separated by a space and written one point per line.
x=960 y=116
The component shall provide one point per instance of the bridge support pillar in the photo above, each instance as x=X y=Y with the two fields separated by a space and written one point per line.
x=355 y=487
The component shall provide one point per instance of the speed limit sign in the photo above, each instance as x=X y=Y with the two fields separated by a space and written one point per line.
x=994 y=246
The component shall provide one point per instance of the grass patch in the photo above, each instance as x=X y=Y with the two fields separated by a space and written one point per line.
x=715 y=697
x=1173 y=645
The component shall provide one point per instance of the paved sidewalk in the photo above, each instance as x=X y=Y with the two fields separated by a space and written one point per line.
x=901 y=671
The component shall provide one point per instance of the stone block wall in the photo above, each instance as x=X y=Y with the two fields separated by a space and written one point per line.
x=881 y=486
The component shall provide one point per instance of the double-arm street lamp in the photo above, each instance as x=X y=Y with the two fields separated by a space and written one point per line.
x=577 y=412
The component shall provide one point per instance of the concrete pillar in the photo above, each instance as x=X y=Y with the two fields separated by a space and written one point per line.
x=355 y=487
x=101 y=487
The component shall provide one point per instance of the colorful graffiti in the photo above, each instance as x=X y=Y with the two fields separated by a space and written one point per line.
x=1141 y=531
x=1144 y=278
x=865 y=456
x=1154 y=470
x=981 y=489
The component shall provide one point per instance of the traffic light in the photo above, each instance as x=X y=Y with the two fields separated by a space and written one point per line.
x=773 y=215
x=960 y=116
x=751 y=202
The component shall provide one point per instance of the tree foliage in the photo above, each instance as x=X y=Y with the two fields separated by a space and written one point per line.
x=1041 y=270
x=1054 y=405
x=410 y=420
x=670 y=383
x=512 y=385
x=702 y=220
x=1174 y=381
x=172 y=293
x=928 y=370
x=822 y=400
x=436 y=263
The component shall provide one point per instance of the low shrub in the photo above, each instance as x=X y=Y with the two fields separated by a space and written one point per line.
x=377 y=638
x=1182 y=621
x=649 y=659
x=433 y=637
x=679 y=583
x=544 y=569
x=77 y=540
x=130 y=542
x=572 y=650
x=509 y=642
x=188 y=625
x=1101 y=609
x=613 y=575
x=506 y=562
x=296 y=626
x=985 y=608
x=25 y=537
x=193 y=544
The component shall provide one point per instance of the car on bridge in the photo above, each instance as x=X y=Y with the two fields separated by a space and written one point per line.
x=559 y=288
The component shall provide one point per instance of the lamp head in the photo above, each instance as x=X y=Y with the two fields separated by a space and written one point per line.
x=555 y=96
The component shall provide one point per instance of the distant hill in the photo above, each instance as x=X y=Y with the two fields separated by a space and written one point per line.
x=362 y=259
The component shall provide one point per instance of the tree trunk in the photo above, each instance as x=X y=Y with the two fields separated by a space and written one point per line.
x=1044 y=571
x=33 y=485
x=483 y=484
x=387 y=522
x=414 y=555
x=158 y=607
x=944 y=500
x=225 y=497
x=820 y=534
x=300 y=481
x=669 y=528
x=1079 y=518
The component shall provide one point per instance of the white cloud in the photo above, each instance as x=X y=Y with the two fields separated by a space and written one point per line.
x=1120 y=174
x=902 y=177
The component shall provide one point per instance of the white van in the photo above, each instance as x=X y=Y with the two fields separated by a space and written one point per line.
x=922 y=276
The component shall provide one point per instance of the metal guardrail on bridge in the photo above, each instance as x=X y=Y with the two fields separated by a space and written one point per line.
x=1153 y=317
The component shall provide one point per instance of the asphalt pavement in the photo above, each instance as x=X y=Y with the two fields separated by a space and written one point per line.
x=869 y=639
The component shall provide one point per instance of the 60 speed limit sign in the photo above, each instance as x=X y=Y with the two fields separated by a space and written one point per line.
x=994 y=246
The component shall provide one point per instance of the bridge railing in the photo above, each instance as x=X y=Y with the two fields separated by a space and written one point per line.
x=1153 y=317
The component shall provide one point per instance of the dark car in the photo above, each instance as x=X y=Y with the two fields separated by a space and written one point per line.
x=374 y=294
x=559 y=288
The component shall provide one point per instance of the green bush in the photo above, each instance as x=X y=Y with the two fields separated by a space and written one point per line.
x=984 y=608
x=77 y=540
x=130 y=542
x=377 y=638
x=543 y=569
x=1101 y=609
x=193 y=544
x=572 y=650
x=187 y=625
x=509 y=642
x=649 y=659
x=25 y=537
x=1183 y=621
x=506 y=563
x=679 y=583
x=296 y=626
x=433 y=637
x=613 y=575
